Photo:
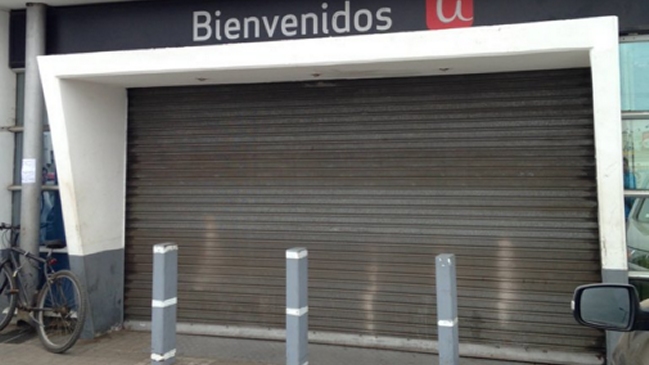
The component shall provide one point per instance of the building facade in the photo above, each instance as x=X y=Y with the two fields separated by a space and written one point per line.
x=375 y=134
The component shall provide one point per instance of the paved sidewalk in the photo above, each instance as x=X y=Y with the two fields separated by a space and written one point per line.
x=132 y=348
x=117 y=348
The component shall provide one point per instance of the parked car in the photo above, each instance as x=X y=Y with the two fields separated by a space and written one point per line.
x=616 y=307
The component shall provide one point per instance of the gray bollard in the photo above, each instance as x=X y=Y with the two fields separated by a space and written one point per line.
x=297 y=307
x=164 y=304
x=447 y=323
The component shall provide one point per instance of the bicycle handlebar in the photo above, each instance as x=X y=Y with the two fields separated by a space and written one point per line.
x=9 y=227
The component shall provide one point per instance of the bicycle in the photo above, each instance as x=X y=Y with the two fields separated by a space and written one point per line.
x=61 y=304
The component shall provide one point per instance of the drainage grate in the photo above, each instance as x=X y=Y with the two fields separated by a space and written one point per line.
x=17 y=335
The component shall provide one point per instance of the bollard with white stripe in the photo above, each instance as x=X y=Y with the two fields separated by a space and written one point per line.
x=297 y=307
x=447 y=324
x=164 y=304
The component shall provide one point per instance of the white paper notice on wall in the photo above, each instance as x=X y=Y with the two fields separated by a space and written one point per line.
x=28 y=172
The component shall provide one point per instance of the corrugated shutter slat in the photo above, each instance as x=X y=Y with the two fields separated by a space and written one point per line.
x=375 y=177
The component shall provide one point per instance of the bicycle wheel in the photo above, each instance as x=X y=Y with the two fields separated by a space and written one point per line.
x=8 y=297
x=61 y=312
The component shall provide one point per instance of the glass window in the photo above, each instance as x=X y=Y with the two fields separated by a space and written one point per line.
x=50 y=208
x=643 y=211
x=642 y=286
x=634 y=72
x=634 y=62
x=635 y=141
x=20 y=100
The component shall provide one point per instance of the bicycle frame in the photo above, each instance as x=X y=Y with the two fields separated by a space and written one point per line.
x=44 y=267
x=59 y=306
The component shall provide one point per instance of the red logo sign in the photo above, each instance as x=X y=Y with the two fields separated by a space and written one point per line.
x=444 y=14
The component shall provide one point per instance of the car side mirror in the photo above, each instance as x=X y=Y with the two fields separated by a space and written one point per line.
x=612 y=307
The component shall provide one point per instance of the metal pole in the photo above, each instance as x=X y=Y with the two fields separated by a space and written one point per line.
x=297 y=307
x=31 y=174
x=447 y=329
x=164 y=304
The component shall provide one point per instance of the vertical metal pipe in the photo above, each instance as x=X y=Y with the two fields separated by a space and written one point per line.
x=297 y=307
x=447 y=329
x=164 y=304
x=32 y=143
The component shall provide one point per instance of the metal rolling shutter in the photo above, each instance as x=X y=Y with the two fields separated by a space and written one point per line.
x=375 y=177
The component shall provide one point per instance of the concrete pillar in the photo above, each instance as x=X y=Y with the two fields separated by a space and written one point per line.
x=32 y=142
